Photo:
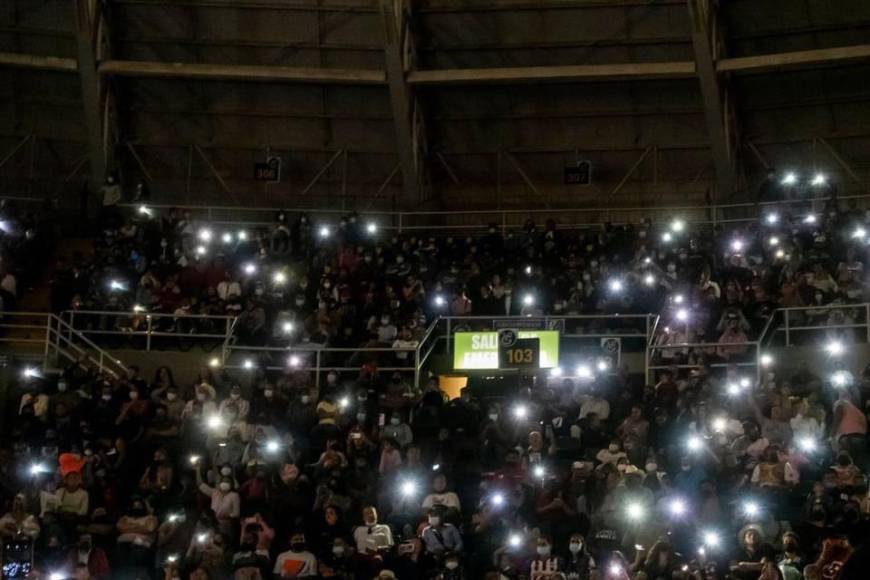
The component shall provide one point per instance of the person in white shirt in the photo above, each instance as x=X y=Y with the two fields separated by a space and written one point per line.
x=804 y=425
x=297 y=562
x=225 y=503
x=595 y=403
x=612 y=454
x=441 y=497
x=371 y=536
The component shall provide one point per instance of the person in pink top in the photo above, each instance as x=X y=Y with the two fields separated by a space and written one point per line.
x=849 y=428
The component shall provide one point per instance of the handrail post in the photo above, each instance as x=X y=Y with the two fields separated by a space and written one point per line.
x=449 y=335
x=758 y=362
x=400 y=222
x=787 y=331
x=72 y=320
x=47 y=340
x=417 y=365
x=100 y=363
x=867 y=320
x=148 y=333
x=317 y=370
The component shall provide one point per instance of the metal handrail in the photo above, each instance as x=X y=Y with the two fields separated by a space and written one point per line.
x=400 y=219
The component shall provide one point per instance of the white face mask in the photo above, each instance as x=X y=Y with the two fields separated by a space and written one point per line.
x=395 y=421
x=493 y=416
x=226 y=471
x=224 y=486
x=434 y=520
x=451 y=565
x=543 y=550
x=338 y=550
x=575 y=547
x=134 y=395
x=61 y=387
x=107 y=397
x=200 y=397
x=235 y=396
x=268 y=393
x=650 y=467
x=613 y=448
x=305 y=399
x=171 y=396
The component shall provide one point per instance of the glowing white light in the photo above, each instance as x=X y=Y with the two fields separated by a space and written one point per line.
x=273 y=446
x=678 y=299
x=172 y=558
x=279 y=278
x=773 y=241
x=521 y=411
x=616 y=285
x=497 y=499
x=57 y=576
x=733 y=389
x=771 y=218
x=859 y=232
x=529 y=270
x=736 y=245
x=144 y=210
x=36 y=468
x=440 y=300
x=371 y=228
x=539 y=471
x=789 y=178
x=766 y=360
x=694 y=443
x=649 y=280
x=202 y=538
x=719 y=424
x=584 y=372
x=242 y=235
x=556 y=372
x=515 y=540
x=323 y=232
x=819 y=179
x=667 y=237
x=678 y=226
x=214 y=422
x=751 y=509
x=30 y=372
x=677 y=507
x=227 y=238
x=647 y=260
x=835 y=348
x=205 y=235
x=250 y=269
x=615 y=569
x=200 y=250
x=174 y=517
x=528 y=299
x=682 y=315
x=194 y=459
x=287 y=327
x=807 y=444
x=138 y=308
x=248 y=364
x=116 y=285
x=409 y=488
x=214 y=362
x=810 y=219
x=745 y=383
x=436 y=467
x=711 y=539
x=344 y=402
x=780 y=254
x=635 y=511
x=294 y=360
x=603 y=365
x=839 y=379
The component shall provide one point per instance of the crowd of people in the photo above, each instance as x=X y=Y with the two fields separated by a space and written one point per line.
x=266 y=475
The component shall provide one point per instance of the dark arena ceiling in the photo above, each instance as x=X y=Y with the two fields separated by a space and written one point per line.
x=442 y=104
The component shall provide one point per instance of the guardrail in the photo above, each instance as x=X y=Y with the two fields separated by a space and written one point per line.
x=144 y=327
x=795 y=322
x=506 y=219
x=53 y=337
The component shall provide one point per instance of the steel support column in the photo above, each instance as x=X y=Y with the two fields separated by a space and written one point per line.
x=87 y=27
x=719 y=127
x=407 y=118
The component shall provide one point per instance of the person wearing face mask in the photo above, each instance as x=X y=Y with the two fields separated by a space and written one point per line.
x=224 y=502
x=242 y=405
x=372 y=537
x=202 y=405
x=398 y=430
x=544 y=564
x=612 y=454
x=339 y=562
x=137 y=531
x=447 y=500
x=791 y=561
x=157 y=479
x=440 y=537
x=578 y=564
x=297 y=562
